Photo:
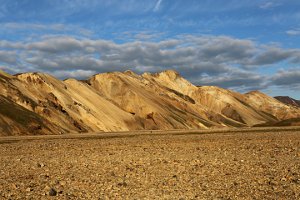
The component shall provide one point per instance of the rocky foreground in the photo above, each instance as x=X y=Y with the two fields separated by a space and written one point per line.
x=224 y=165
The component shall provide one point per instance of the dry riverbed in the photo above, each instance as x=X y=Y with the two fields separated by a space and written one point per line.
x=223 y=165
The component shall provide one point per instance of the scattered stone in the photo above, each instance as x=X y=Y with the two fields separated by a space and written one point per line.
x=52 y=192
x=123 y=184
x=283 y=179
x=14 y=186
x=41 y=165
x=174 y=171
x=62 y=183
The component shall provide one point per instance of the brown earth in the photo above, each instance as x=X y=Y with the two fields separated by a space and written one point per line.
x=214 y=164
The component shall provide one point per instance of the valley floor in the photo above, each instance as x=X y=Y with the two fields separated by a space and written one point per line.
x=215 y=164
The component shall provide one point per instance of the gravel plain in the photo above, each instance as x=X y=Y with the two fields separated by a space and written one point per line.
x=223 y=165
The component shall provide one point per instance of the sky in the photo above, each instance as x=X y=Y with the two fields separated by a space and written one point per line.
x=240 y=45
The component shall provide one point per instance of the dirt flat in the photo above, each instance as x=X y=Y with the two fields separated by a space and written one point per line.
x=238 y=164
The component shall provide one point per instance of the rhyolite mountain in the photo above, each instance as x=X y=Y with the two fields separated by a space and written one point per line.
x=288 y=100
x=37 y=103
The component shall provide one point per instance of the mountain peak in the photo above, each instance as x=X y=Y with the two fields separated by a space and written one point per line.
x=172 y=74
x=129 y=72
x=288 y=100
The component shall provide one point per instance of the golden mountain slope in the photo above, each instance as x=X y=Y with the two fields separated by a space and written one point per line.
x=267 y=104
x=230 y=104
x=152 y=105
x=119 y=101
x=75 y=104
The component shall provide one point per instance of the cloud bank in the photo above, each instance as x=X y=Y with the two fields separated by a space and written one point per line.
x=205 y=60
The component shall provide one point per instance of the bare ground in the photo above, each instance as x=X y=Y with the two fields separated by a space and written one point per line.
x=238 y=164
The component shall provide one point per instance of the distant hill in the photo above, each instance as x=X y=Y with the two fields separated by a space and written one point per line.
x=37 y=103
x=288 y=100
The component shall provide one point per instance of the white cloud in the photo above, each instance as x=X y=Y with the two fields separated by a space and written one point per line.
x=157 y=5
x=272 y=55
x=79 y=74
x=287 y=78
x=269 y=5
x=236 y=79
x=293 y=31
x=8 y=57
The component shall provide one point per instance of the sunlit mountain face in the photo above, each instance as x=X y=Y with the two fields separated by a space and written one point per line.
x=38 y=103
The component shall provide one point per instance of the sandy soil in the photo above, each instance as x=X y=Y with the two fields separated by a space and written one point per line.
x=224 y=165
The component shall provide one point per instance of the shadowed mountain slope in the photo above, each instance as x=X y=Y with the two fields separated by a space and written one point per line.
x=288 y=101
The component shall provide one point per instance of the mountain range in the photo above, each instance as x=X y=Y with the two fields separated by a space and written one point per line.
x=38 y=103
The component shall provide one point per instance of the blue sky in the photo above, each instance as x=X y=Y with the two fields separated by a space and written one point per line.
x=242 y=45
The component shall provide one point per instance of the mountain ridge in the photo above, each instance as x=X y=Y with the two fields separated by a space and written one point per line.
x=288 y=100
x=124 y=101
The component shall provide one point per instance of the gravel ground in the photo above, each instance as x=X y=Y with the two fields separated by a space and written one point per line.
x=252 y=165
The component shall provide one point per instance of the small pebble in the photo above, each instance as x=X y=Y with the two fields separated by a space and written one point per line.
x=52 y=192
